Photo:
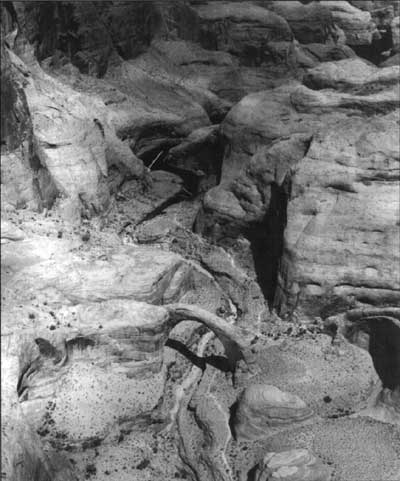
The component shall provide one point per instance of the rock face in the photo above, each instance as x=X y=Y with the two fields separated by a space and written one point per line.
x=310 y=23
x=262 y=407
x=294 y=465
x=356 y=24
x=242 y=29
x=89 y=34
x=200 y=241
x=266 y=128
x=376 y=283
x=85 y=342
x=351 y=75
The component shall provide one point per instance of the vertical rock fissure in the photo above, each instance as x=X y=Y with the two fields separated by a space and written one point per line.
x=266 y=239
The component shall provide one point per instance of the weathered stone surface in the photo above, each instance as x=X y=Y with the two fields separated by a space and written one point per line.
x=326 y=53
x=116 y=343
x=242 y=29
x=89 y=35
x=395 y=28
x=349 y=446
x=294 y=111
x=22 y=453
x=351 y=75
x=124 y=274
x=310 y=23
x=293 y=465
x=250 y=194
x=262 y=406
x=392 y=61
x=342 y=375
x=336 y=237
x=200 y=154
x=10 y=233
x=92 y=345
x=356 y=24
x=307 y=100
x=72 y=143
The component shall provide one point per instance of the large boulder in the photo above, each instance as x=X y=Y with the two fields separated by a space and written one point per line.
x=262 y=407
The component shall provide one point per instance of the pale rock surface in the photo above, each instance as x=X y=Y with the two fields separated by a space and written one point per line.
x=83 y=342
x=395 y=27
x=342 y=376
x=262 y=406
x=361 y=179
x=351 y=75
x=356 y=449
x=391 y=61
x=72 y=139
x=293 y=465
x=307 y=100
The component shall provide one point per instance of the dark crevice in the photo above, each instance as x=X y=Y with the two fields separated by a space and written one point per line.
x=384 y=347
x=79 y=342
x=26 y=371
x=219 y=362
x=232 y=415
x=266 y=239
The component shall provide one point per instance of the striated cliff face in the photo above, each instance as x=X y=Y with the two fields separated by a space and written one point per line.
x=200 y=240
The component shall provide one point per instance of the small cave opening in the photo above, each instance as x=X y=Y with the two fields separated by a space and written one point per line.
x=380 y=335
x=200 y=167
x=375 y=51
x=267 y=240
x=384 y=347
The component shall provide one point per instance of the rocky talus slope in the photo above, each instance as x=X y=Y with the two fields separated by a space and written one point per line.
x=200 y=268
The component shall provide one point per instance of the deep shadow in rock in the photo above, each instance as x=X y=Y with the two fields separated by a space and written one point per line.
x=384 y=347
x=219 y=362
x=251 y=475
x=266 y=239
x=232 y=415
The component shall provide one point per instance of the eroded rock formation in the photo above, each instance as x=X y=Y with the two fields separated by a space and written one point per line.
x=200 y=249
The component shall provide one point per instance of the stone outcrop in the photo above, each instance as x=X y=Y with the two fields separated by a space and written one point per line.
x=171 y=170
x=263 y=129
x=376 y=283
x=356 y=24
x=242 y=29
x=310 y=23
x=89 y=35
x=85 y=341
x=351 y=75
x=262 y=407
x=199 y=154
